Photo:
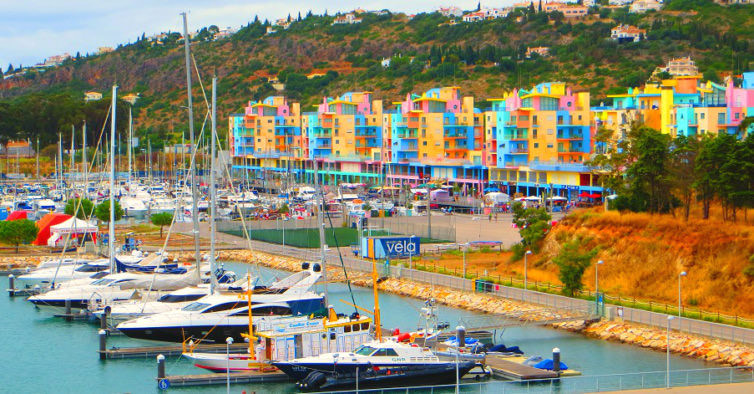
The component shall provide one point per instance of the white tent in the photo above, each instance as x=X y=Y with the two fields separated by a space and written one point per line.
x=557 y=198
x=73 y=226
x=497 y=197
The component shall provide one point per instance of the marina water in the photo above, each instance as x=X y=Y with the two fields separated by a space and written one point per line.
x=48 y=354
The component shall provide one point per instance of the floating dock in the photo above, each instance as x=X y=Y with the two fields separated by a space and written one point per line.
x=513 y=368
x=153 y=351
x=222 y=378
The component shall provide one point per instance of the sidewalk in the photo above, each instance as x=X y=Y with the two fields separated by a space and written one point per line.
x=728 y=388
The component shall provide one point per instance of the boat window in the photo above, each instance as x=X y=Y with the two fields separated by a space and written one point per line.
x=225 y=306
x=271 y=310
x=357 y=327
x=364 y=326
x=346 y=328
x=90 y=268
x=386 y=353
x=102 y=282
x=119 y=282
x=180 y=297
x=195 y=306
x=364 y=351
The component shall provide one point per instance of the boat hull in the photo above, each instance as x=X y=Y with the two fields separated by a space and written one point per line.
x=320 y=376
x=208 y=333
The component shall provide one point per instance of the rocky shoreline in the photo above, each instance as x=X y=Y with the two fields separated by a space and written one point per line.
x=704 y=348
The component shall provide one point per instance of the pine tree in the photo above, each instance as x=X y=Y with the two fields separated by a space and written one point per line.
x=299 y=16
x=10 y=69
x=479 y=6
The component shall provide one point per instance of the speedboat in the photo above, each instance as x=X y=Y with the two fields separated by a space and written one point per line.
x=133 y=207
x=374 y=364
x=215 y=317
x=108 y=289
x=44 y=277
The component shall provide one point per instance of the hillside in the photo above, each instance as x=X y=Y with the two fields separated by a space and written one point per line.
x=484 y=58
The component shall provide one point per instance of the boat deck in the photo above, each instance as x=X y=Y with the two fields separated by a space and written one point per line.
x=221 y=378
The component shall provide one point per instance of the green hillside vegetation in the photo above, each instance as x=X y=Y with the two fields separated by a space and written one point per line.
x=483 y=58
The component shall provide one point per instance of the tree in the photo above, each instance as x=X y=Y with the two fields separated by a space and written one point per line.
x=16 y=232
x=647 y=175
x=10 y=69
x=161 y=219
x=682 y=171
x=102 y=212
x=83 y=210
x=572 y=264
x=284 y=208
x=712 y=155
x=533 y=224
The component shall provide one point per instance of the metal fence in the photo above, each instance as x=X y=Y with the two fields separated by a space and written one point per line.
x=562 y=303
x=591 y=384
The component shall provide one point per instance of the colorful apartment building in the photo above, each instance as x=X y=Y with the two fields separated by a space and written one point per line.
x=539 y=139
x=679 y=106
x=267 y=137
x=437 y=135
x=530 y=141
x=345 y=137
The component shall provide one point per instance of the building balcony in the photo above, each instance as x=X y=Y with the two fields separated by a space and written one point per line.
x=570 y=137
x=516 y=136
x=412 y=134
x=519 y=151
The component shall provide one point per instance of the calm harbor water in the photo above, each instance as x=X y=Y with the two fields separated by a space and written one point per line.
x=46 y=354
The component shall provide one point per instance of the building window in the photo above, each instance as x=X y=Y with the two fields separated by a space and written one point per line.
x=549 y=131
x=424 y=143
x=549 y=146
x=534 y=133
x=536 y=145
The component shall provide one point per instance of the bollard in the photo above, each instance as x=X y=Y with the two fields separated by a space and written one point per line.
x=556 y=360
x=103 y=319
x=461 y=336
x=11 y=284
x=160 y=367
x=68 y=307
x=102 y=344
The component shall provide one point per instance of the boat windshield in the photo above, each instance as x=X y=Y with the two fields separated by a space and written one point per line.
x=102 y=282
x=195 y=306
x=364 y=351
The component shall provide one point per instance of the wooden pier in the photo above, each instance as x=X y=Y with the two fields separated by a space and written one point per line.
x=502 y=368
x=153 y=351
x=222 y=378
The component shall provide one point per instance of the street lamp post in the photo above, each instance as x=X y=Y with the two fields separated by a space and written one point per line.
x=667 y=335
x=526 y=264
x=464 y=259
x=597 y=278
x=597 y=286
x=681 y=275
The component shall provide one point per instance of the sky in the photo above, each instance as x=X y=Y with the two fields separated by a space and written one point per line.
x=32 y=30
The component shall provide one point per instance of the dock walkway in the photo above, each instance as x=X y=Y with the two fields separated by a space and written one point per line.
x=222 y=378
x=502 y=368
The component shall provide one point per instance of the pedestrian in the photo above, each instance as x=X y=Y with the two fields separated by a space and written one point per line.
x=496 y=216
x=490 y=216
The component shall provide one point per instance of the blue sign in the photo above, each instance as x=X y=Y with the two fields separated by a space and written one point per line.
x=390 y=247
x=399 y=247
x=163 y=384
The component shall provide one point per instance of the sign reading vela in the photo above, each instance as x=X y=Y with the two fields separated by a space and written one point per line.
x=400 y=246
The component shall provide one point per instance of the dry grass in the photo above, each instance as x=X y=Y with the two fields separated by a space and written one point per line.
x=644 y=254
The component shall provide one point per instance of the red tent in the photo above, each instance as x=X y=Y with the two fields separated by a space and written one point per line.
x=17 y=215
x=44 y=225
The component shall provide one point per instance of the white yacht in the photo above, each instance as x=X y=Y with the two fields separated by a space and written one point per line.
x=45 y=276
x=115 y=287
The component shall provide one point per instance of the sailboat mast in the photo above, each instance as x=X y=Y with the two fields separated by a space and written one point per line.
x=195 y=208
x=213 y=196
x=60 y=162
x=83 y=159
x=321 y=222
x=130 y=139
x=73 y=155
x=37 y=159
x=111 y=227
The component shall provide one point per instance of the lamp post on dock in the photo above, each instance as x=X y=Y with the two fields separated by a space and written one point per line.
x=597 y=285
x=228 y=342
x=667 y=335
